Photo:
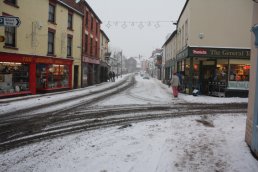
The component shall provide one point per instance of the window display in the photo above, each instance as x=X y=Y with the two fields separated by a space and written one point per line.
x=239 y=72
x=14 y=77
x=52 y=76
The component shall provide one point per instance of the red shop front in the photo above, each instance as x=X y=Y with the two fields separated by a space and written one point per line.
x=27 y=74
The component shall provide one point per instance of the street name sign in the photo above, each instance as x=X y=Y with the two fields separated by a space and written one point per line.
x=10 y=21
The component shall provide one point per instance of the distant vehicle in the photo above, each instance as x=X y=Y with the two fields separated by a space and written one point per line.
x=146 y=77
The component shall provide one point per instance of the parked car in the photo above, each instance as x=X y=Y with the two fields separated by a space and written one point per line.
x=146 y=77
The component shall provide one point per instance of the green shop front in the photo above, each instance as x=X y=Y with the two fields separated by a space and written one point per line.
x=222 y=72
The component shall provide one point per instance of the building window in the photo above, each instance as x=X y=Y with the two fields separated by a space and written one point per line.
x=96 y=28
x=91 y=27
x=70 y=21
x=51 y=13
x=86 y=44
x=87 y=20
x=91 y=46
x=51 y=39
x=96 y=48
x=69 y=46
x=11 y=2
x=10 y=36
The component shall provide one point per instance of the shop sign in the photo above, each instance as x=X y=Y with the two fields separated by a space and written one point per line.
x=90 y=60
x=183 y=54
x=43 y=60
x=219 y=52
x=27 y=59
x=240 y=85
x=200 y=52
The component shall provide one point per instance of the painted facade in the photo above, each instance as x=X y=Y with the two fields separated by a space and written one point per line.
x=104 y=56
x=213 y=49
x=169 y=54
x=30 y=62
x=251 y=136
x=90 y=45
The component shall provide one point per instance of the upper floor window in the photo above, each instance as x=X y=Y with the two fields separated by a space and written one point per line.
x=70 y=20
x=86 y=44
x=91 y=27
x=87 y=20
x=51 y=40
x=10 y=36
x=69 y=46
x=11 y=2
x=96 y=28
x=91 y=46
x=51 y=13
x=96 y=48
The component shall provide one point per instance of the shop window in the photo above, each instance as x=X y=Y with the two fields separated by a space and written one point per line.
x=70 y=21
x=221 y=73
x=239 y=72
x=14 y=77
x=69 y=46
x=51 y=38
x=52 y=76
x=10 y=36
x=51 y=13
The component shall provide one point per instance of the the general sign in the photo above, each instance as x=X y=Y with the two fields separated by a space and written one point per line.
x=10 y=21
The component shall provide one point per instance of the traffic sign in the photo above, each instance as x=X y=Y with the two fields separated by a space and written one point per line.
x=10 y=21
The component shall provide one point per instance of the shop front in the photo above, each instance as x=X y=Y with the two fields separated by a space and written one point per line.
x=215 y=71
x=90 y=74
x=27 y=74
x=104 y=68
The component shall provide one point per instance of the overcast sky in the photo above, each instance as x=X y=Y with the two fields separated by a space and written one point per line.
x=132 y=40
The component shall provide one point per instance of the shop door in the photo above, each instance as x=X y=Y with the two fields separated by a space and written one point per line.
x=75 y=76
x=206 y=75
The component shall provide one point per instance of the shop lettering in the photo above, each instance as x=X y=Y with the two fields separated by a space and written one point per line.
x=26 y=59
x=200 y=52
x=215 y=52
x=230 y=53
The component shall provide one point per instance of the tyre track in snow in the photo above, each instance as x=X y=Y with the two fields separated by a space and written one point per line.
x=39 y=128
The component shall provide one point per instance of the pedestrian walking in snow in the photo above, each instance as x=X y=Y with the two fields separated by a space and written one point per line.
x=110 y=75
x=175 y=83
x=114 y=76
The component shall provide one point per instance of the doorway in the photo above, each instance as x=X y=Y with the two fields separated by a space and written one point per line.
x=75 y=76
x=206 y=76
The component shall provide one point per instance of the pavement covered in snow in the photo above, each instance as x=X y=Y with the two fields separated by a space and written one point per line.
x=175 y=144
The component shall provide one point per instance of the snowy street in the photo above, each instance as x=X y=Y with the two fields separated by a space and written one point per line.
x=197 y=142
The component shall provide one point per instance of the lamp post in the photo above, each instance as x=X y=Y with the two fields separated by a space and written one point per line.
x=254 y=144
x=121 y=63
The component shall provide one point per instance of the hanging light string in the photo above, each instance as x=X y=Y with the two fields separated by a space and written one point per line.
x=139 y=24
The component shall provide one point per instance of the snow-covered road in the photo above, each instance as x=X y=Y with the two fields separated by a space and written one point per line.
x=176 y=144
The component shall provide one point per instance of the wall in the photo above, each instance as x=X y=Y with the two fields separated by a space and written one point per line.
x=223 y=23
x=24 y=31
